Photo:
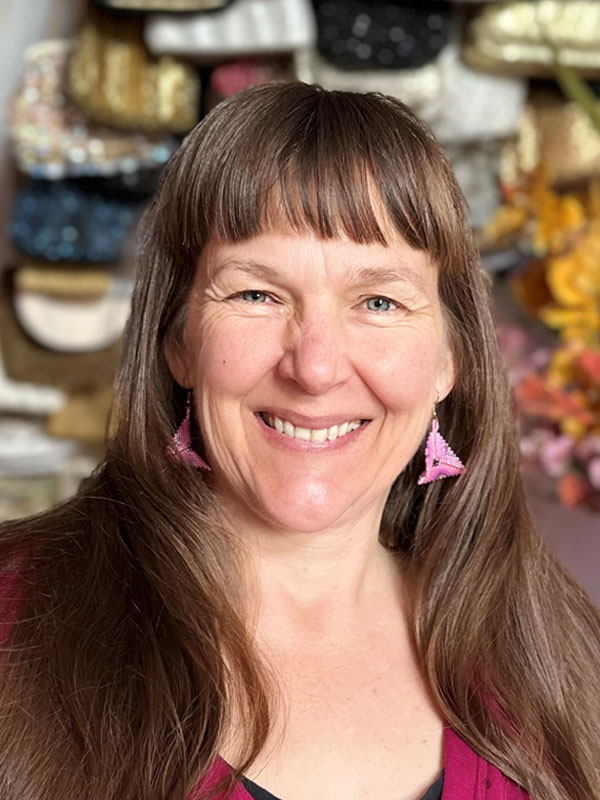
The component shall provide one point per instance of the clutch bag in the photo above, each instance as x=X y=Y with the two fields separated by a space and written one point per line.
x=114 y=80
x=476 y=105
x=375 y=34
x=419 y=88
x=246 y=27
x=557 y=134
x=71 y=310
x=51 y=138
x=476 y=167
x=522 y=36
x=71 y=221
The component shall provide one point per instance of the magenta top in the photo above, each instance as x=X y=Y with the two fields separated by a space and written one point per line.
x=467 y=776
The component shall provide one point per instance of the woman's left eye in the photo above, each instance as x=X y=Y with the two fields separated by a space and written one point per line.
x=380 y=304
x=254 y=296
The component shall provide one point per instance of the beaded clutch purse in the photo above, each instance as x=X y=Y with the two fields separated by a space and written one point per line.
x=52 y=139
x=71 y=221
x=115 y=81
x=375 y=34
x=522 y=36
x=558 y=134
x=475 y=105
x=420 y=88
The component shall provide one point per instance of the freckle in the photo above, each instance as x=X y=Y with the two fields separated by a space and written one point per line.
x=224 y=362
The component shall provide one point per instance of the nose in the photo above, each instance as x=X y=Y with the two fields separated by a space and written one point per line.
x=316 y=355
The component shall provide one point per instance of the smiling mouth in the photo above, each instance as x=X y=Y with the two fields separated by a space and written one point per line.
x=286 y=428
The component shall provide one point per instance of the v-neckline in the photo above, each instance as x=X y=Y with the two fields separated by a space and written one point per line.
x=460 y=770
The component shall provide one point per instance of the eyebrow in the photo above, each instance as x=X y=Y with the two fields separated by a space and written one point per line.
x=356 y=275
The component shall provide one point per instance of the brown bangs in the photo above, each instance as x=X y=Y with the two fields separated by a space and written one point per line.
x=334 y=163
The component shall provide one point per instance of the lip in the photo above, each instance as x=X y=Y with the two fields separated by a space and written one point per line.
x=300 y=446
x=314 y=423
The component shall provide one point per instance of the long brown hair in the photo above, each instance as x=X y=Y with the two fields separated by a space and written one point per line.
x=131 y=649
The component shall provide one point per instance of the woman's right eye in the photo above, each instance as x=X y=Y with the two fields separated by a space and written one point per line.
x=253 y=296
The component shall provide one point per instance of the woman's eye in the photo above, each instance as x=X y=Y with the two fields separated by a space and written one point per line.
x=380 y=304
x=254 y=296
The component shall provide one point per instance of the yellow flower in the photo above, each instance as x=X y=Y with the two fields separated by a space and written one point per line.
x=573 y=427
x=562 y=369
x=574 y=282
x=558 y=219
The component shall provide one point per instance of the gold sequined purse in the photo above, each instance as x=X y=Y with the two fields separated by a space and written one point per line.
x=558 y=134
x=523 y=36
x=113 y=79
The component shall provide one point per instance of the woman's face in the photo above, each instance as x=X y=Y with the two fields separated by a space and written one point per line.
x=315 y=366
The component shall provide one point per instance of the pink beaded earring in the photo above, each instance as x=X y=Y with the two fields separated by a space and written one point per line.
x=180 y=448
x=440 y=460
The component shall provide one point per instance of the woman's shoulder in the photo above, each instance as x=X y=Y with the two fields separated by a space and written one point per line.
x=467 y=774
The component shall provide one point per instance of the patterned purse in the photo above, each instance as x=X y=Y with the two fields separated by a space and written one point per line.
x=246 y=27
x=374 y=34
x=558 y=134
x=52 y=139
x=72 y=221
x=521 y=37
x=114 y=81
x=474 y=105
x=420 y=88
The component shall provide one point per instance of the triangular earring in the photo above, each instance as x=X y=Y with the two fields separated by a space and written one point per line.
x=180 y=448
x=440 y=460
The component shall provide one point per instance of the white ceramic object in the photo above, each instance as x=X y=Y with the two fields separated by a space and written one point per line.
x=74 y=325
x=245 y=27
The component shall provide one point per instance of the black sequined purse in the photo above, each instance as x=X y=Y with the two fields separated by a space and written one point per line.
x=72 y=220
x=375 y=34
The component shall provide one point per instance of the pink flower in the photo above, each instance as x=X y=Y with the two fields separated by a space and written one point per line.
x=555 y=455
x=594 y=473
x=588 y=448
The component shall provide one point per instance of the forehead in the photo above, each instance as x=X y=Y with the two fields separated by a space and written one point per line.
x=282 y=254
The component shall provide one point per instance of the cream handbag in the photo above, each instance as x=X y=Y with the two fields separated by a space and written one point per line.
x=245 y=27
x=419 y=88
x=476 y=105
x=521 y=36
x=71 y=310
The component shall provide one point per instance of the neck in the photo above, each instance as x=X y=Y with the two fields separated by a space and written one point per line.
x=326 y=581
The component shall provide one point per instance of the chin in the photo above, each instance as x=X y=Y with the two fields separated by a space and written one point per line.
x=308 y=507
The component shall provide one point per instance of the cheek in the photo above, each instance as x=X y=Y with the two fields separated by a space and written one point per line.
x=232 y=359
x=403 y=372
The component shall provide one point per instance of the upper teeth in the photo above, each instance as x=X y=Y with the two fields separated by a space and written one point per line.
x=309 y=434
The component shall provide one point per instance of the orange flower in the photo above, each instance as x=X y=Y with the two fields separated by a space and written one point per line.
x=537 y=397
x=573 y=489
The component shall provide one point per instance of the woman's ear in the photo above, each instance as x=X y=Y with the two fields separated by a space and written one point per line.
x=175 y=355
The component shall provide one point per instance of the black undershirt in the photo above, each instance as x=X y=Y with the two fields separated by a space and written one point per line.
x=258 y=793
